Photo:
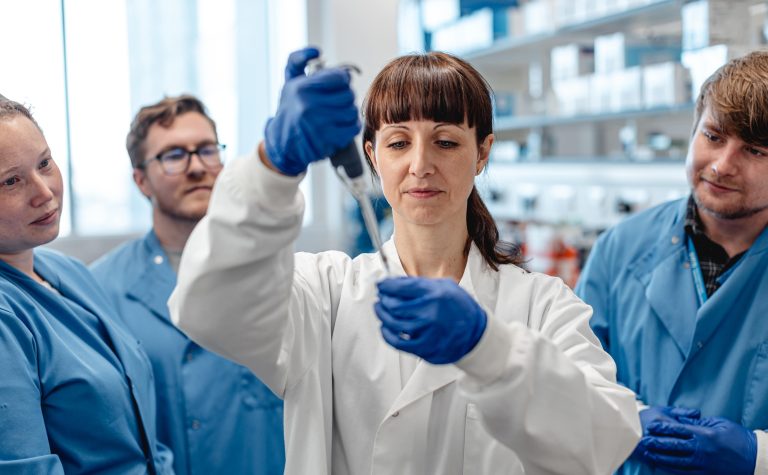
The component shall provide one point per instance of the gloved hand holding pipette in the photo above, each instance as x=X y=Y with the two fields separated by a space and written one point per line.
x=316 y=116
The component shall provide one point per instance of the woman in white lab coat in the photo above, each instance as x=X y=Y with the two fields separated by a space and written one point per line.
x=470 y=365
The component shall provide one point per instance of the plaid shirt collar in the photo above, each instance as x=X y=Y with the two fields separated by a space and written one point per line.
x=713 y=259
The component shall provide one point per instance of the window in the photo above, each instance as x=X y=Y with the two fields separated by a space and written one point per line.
x=86 y=66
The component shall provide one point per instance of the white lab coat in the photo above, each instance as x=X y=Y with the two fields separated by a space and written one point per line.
x=536 y=395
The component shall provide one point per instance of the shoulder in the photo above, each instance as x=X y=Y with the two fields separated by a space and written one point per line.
x=638 y=232
x=59 y=262
x=120 y=257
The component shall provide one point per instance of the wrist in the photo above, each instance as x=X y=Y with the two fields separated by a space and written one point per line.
x=264 y=157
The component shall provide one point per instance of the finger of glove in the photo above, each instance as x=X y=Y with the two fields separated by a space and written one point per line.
x=416 y=345
x=672 y=463
x=298 y=60
x=411 y=287
x=684 y=412
x=668 y=445
x=326 y=80
x=673 y=429
x=397 y=324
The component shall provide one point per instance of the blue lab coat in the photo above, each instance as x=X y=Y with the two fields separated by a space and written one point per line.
x=669 y=349
x=215 y=415
x=76 y=390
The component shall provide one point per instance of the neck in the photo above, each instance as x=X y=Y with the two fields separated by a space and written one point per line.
x=23 y=262
x=432 y=251
x=172 y=232
x=734 y=235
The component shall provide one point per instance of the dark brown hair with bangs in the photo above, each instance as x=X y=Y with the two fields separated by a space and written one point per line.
x=162 y=113
x=737 y=97
x=443 y=88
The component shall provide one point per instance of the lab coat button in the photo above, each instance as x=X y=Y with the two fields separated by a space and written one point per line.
x=195 y=424
x=158 y=260
x=396 y=413
x=675 y=239
x=189 y=356
x=686 y=265
x=699 y=344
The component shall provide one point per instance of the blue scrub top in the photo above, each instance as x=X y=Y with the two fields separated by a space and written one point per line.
x=216 y=416
x=668 y=347
x=76 y=390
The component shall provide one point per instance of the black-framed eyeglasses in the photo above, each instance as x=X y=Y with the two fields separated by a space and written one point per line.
x=175 y=161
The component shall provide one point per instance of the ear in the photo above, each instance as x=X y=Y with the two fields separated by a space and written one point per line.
x=369 y=151
x=142 y=181
x=484 y=153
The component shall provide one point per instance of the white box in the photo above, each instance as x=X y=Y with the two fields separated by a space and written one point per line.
x=665 y=84
x=437 y=13
x=572 y=95
x=538 y=15
x=471 y=32
x=600 y=92
x=609 y=53
x=709 y=22
x=569 y=61
x=629 y=89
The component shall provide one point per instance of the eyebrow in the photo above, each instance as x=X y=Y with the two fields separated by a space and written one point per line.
x=199 y=144
x=14 y=168
x=711 y=125
x=437 y=126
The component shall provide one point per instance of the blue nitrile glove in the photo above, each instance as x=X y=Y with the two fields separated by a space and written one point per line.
x=710 y=445
x=316 y=116
x=662 y=414
x=431 y=318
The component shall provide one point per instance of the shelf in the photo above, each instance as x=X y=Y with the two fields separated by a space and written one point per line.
x=507 y=124
x=582 y=161
x=518 y=50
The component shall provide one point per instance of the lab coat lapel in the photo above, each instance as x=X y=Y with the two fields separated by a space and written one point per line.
x=428 y=378
x=669 y=286
x=153 y=282
x=721 y=305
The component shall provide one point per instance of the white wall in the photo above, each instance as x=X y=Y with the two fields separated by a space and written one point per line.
x=363 y=33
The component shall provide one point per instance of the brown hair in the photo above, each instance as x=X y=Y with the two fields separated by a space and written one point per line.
x=737 y=97
x=440 y=87
x=10 y=109
x=162 y=113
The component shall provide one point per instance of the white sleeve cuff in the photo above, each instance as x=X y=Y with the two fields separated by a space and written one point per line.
x=761 y=464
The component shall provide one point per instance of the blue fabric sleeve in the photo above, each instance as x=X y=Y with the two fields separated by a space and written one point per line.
x=593 y=287
x=24 y=447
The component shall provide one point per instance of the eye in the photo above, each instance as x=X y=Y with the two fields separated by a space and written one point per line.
x=45 y=163
x=446 y=144
x=398 y=145
x=8 y=182
x=756 y=152
x=710 y=136
x=208 y=150
x=173 y=155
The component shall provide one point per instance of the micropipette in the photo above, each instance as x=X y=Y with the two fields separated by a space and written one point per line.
x=349 y=168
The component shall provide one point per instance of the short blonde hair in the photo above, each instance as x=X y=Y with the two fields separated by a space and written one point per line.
x=737 y=98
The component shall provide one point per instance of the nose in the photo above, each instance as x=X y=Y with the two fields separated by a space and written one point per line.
x=196 y=166
x=422 y=161
x=41 y=191
x=727 y=161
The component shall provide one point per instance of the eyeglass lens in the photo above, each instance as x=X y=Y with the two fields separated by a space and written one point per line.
x=176 y=161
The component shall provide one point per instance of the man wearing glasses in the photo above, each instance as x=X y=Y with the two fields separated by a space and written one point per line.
x=214 y=414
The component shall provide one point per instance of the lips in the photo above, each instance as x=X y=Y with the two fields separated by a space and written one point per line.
x=47 y=218
x=423 y=192
x=718 y=186
x=199 y=188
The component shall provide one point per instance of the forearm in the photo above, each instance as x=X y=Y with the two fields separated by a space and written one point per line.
x=538 y=402
x=234 y=282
